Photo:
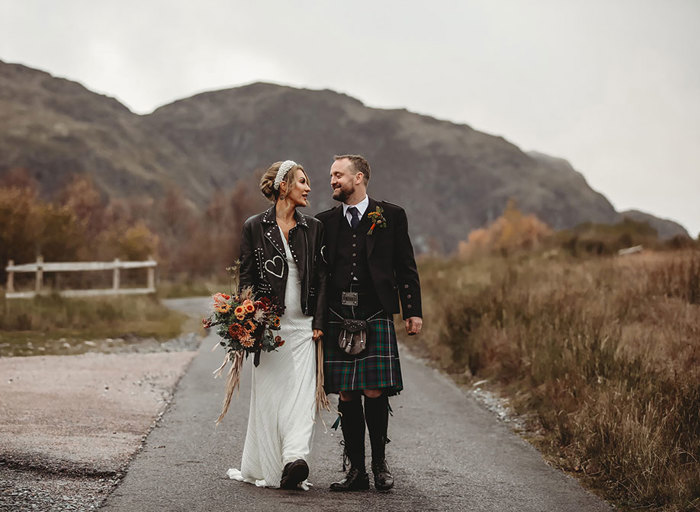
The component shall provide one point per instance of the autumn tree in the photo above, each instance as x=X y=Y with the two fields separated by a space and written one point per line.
x=20 y=224
x=511 y=231
x=137 y=242
x=30 y=227
x=213 y=240
x=81 y=198
x=19 y=177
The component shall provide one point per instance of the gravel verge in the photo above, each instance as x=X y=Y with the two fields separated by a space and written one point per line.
x=69 y=425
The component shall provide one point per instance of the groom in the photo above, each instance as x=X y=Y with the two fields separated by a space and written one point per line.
x=370 y=257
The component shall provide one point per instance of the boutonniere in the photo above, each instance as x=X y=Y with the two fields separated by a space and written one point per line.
x=377 y=219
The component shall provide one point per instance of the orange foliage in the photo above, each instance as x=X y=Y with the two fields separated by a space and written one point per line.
x=19 y=177
x=29 y=227
x=511 y=231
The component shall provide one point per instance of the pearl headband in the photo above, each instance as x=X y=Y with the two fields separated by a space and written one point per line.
x=282 y=172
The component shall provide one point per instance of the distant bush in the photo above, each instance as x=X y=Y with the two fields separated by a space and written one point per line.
x=605 y=239
x=681 y=242
x=512 y=231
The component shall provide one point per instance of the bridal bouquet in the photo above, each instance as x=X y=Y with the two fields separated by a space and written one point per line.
x=245 y=323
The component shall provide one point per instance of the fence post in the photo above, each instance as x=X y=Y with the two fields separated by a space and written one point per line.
x=115 y=275
x=151 y=276
x=39 y=274
x=10 y=278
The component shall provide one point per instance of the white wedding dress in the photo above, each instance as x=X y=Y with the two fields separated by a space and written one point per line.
x=282 y=399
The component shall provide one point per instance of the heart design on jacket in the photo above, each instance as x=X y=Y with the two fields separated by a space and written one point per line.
x=274 y=266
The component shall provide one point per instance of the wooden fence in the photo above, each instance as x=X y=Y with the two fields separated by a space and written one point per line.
x=115 y=266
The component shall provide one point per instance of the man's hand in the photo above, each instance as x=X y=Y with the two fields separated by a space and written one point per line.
x=318 y=333
x=413 y=325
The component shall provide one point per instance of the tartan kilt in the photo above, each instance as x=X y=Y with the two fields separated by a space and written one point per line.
x=377 y=367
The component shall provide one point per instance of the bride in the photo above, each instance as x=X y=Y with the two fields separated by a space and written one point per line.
x=281 y=258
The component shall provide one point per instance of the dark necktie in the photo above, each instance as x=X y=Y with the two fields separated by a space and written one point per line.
x=355 y=217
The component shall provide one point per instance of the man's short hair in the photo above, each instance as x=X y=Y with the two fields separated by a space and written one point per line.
x=359 y=163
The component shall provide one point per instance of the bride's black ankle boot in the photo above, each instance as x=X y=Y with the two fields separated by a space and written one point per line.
x=294 y=473
x=377 y=416
x=352 y=422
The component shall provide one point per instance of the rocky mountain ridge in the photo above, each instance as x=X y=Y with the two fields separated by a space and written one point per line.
x=449 y=177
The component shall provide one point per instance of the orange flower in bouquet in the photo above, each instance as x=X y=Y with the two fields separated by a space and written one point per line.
x=223 y=308
x=247 y=340
x=236 y=330
x=248 y=306
x=220 y=298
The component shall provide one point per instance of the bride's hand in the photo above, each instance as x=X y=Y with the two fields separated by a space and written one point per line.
x=318 y=333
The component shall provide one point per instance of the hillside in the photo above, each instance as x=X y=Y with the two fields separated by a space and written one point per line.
x=450 y=177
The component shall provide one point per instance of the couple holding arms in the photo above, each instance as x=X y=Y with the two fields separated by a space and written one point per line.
x=340 y=277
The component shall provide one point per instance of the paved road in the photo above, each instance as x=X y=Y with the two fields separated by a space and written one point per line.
x=447 y=453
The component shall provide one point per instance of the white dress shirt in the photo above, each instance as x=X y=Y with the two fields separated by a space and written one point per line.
x=361 y=208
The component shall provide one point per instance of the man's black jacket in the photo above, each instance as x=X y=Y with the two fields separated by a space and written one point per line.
x=392 y=264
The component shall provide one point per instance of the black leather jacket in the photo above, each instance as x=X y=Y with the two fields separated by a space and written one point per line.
x=264 y=263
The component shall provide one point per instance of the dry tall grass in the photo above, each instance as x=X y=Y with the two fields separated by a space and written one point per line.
x=602 y=355
x=26 y=325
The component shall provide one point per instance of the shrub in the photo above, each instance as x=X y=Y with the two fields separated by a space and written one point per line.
x=590 y=239
x=511 y=232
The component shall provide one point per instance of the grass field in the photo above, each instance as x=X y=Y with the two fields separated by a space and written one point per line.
x=601 y=357
x=43 y=325
x=193 y=288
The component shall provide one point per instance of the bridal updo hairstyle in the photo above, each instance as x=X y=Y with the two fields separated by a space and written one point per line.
x=267 y=181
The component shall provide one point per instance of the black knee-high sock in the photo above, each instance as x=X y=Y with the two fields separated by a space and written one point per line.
x=377 y=416
x=352 y=423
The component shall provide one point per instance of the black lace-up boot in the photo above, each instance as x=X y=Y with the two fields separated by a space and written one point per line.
x=377 y=416
x=352 y=423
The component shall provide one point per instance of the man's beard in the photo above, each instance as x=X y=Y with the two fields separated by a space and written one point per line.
x=341 y=194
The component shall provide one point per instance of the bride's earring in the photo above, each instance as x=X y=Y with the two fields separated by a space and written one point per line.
x=283 y=192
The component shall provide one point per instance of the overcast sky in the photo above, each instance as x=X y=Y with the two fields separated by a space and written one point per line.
x=613 y=86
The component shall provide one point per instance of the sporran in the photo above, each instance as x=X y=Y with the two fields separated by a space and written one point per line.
x=353 y=336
